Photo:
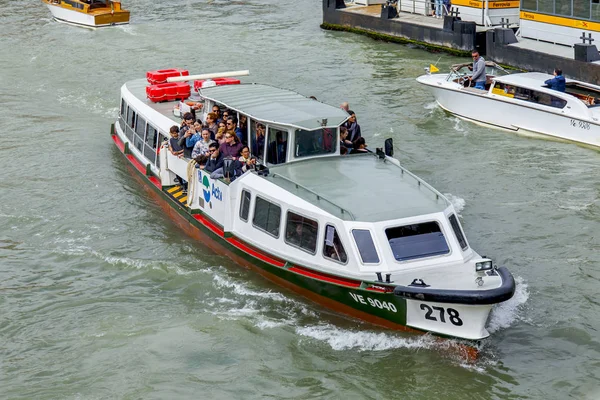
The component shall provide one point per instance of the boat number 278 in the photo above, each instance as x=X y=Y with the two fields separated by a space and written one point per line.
x=442 y=314
x=580 y=124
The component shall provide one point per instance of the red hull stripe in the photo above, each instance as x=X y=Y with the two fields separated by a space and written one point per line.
x=118 y=142
x=156 y=182
x=217 y=230
x=255 y=253
x=327 y=278
x=136 y=164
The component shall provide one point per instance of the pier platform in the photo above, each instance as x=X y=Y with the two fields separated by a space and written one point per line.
x=458 y=37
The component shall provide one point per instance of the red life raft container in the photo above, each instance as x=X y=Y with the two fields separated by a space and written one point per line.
x=168 y=91
x=160 y=76
x=217 y=82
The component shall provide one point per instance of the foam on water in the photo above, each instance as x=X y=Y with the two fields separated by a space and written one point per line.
x=363 y=340
x=458 y=202
x=505 y=314
x=242 y=290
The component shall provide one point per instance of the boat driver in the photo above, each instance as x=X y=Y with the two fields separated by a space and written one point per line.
x=478 y=76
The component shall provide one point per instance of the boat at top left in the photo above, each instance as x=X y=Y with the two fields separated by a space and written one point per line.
x=88 y=13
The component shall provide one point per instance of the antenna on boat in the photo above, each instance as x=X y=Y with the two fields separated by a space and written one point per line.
x=208 y=76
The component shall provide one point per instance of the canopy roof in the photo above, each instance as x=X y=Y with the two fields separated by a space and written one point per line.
x=280 y=106
x=358 y=187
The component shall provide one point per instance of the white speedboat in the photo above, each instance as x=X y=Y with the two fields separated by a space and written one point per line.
x=88 y=13
x=357 y=233
x=520 y=102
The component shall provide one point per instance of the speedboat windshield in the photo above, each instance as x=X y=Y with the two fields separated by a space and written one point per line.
x=461 y=70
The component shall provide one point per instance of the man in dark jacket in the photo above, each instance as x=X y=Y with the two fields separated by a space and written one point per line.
x=216 y=159
x=558 y=82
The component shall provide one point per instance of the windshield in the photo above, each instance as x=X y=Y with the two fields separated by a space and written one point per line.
x=313 y=143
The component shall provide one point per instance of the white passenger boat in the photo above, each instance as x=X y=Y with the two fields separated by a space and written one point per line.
x=520 y=102
x=88 y=13
x=357 y=233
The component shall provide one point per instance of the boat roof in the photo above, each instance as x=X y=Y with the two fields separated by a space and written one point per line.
x=526 y=79
x=359 y=187
x=271 y=104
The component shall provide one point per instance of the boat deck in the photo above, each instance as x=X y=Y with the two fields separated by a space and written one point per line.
x=358 y=187
x=138 y=89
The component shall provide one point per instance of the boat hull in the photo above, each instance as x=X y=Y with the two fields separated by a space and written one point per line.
x=82 y=19
x=369 y=301
x=490 y=110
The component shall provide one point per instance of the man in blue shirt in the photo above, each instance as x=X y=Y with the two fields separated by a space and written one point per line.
x=558 y=82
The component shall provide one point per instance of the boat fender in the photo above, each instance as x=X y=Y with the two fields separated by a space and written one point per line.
x=419 y=283
x=389 y=147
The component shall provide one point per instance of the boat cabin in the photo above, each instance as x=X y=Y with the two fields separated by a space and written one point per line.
x=281 y=125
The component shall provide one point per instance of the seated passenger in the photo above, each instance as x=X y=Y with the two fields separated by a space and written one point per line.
x=231 y=147
x=344 y=141
x=360 y=146
x=353 y=127
x=212 y=125
x=215 y=160
x=258 y=144
x=558 y=82
x=202 y=145
x=277 y=149
x=245 y=158
x=220 y=136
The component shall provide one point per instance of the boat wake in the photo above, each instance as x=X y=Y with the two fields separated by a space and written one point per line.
x=505 y=314
x=129 y=29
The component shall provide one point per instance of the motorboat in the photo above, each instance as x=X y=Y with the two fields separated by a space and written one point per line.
x=358 y=233
x=88 y=13
x=520 y=102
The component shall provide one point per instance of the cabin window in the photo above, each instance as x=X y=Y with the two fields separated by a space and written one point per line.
x=123 y=107
x=366 y=247
x=245 y=205
x=257 y=139
x=130 y=117
x=301 y=232
x=277 y=149
x=458 y=232
x=314 y=143
x=409 y=242
x=267 y=216
x=140 y=129
x=333 y=248
x=150 y=146
x=534 y=96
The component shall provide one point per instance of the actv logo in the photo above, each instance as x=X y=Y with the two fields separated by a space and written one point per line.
x=210 y=191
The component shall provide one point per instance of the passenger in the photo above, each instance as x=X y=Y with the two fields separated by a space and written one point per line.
x=201 y=161
x=343 y=150
x=202 y=146
x=220 y=136
x=225 y=115
x=246 y=159
x=258 y=145
x=360 y=146
x=189 y=135
x=217 y=111
x=278 y=149
x=313 y=98
x=174 y=146
x=177 y=151
x=558 y=82
x=344 y=141
x=232 y=127
x=345 y=106
x=243 y=123
x=353 y=127
x=216 y=159
x=186 y=122
x=237 y=169
x=212 y=125
x=231 y=147
x=294 y=234
x=478 y=76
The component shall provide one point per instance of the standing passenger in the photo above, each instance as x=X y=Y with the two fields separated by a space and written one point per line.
x=478 y=75
x=353 y=127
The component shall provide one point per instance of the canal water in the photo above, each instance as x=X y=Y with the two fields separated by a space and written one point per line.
x=103 y=297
